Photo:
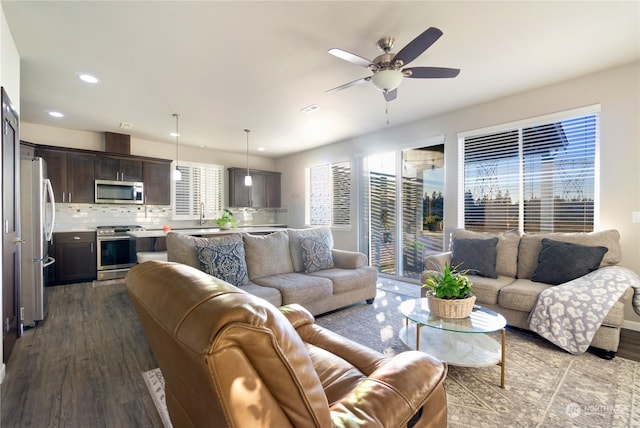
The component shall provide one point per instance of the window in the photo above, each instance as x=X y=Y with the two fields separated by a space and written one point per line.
x=329 y=195
x=199 y=194
x=536 y=177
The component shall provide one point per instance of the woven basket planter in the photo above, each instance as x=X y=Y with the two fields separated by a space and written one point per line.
x=451 y=308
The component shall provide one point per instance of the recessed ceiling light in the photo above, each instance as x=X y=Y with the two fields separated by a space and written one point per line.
x=311 y=108
x=55 y=114
x=126 y=125
x=174 y=134
x=88 y=78
x=261 y=149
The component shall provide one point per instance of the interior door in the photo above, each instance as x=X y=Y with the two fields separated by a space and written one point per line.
x=10 y=228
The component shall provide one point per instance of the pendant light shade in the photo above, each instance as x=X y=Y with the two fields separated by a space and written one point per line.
x=247 y=178
x=177 y=175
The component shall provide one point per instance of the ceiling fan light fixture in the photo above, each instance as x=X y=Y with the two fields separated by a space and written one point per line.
x=387 y=80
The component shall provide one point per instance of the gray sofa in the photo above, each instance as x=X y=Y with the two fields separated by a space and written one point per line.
x=513 y=292
x=289 y=266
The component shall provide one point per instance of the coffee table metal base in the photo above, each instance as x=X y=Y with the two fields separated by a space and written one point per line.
x=456 y=349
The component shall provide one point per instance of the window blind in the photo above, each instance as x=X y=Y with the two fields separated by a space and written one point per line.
x=536 y=178
x=329 y=199
x=199 y=191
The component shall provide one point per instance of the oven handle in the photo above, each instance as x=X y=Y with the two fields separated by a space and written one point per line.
x=113 y=238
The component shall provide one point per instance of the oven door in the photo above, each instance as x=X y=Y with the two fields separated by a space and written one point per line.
x=115 y=252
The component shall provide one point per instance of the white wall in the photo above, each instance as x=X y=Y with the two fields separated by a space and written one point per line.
x=617 y=90
x=10 y=80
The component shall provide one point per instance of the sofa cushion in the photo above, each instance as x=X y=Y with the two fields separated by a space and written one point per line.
x=531 y=243
x=477 y=256
x=345 y=280
x=267 y=255
x=506 y=249
x=224 y=258
x=486 y=290
x=560 y=262
x=521 y=295
x=295 y=236
x=298 y=287
x=316 y=253
x=181 y=248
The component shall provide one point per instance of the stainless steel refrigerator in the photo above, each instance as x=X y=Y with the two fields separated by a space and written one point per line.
x=37 y=218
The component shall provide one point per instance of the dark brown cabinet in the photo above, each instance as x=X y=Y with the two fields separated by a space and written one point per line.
x=75 y=254
x=118 y=168
x=263 y=193
x=157 y=182
x=71 y=174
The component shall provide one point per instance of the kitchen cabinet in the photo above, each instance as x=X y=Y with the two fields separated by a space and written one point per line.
x=265 y=192
x=157 y=182
x=75 y=254
x=71 y=174
x=118 y=168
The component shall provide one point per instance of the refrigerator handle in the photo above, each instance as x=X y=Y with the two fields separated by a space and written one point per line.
x=49 y=233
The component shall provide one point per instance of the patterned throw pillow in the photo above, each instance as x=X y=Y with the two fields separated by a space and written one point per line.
x=224 y=260
x=316 y=253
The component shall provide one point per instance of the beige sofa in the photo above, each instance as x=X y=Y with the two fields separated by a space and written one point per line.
x=513 y=292
x=289 y=266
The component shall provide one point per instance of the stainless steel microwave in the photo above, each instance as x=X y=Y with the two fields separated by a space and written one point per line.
x=119 y=192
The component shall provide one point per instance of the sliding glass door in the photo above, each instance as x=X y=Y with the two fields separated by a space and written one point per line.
x=405 y=209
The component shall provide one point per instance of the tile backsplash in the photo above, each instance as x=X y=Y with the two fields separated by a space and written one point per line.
x=88 y=216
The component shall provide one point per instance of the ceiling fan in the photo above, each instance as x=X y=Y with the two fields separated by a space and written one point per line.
x=387 y=68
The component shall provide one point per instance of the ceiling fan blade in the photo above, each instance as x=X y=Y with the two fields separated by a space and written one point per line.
x=418 y=45
x=348 y=85
x=431 y=72
x=352 y=58
x=390 y=95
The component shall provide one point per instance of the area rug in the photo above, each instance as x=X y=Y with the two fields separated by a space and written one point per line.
x=544 y=386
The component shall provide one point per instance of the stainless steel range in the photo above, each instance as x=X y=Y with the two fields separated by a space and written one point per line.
x=116 y=251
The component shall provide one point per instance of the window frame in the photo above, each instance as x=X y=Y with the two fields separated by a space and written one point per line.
x=338 y=205
x=208 y=193
x=519 y=126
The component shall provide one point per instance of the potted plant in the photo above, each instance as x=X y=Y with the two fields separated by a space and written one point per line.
x=449 y=293
x=226 y=220
x=432 y=222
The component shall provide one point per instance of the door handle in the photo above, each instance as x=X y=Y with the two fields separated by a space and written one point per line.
x=77 y=238
x=17 y=241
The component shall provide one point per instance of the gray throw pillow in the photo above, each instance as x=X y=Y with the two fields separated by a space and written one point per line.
x=224 y=259
x=560 y=262
x=477 y=256
x=316 y=253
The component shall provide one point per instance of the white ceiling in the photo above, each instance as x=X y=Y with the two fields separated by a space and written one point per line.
x=226 y=66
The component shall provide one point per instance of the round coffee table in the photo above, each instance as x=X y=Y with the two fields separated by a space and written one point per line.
x=456 y=341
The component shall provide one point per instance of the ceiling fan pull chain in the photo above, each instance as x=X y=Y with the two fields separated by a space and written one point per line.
x=386 y=112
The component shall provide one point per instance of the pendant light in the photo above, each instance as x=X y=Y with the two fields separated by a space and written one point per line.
x=247 y=178
x=177 y=176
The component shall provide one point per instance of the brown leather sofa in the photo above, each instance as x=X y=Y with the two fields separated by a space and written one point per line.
x=231 y=359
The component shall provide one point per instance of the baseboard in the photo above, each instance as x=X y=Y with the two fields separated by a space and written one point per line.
x=631 y=325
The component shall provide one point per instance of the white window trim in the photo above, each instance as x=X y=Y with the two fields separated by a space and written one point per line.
x=210 y=210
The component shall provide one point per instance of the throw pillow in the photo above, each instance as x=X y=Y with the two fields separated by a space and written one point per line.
x=295 y=235
x=560 y=262
x=267 y=255
x=224 y=259
x=316 y=253
x=477 y=256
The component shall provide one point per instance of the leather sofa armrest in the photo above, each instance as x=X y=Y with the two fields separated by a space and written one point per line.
x=297 y=315
x=395 y=392
x=437 y=261
x=348 y=259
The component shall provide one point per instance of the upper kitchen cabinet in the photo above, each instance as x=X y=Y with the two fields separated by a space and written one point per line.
x=71 y=174
x=157 y=182
x=118 y=168
x=263 y=193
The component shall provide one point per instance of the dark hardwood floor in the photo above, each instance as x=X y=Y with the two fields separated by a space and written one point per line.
x=81 y=367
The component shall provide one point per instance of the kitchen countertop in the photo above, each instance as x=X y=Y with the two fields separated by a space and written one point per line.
x=205 y=231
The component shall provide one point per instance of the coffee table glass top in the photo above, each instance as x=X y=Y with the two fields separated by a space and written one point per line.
x=481 y=320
